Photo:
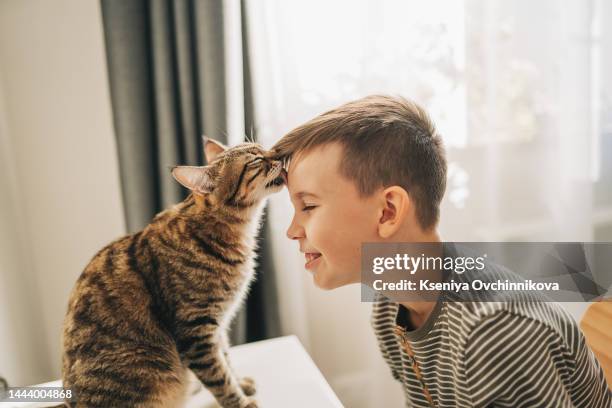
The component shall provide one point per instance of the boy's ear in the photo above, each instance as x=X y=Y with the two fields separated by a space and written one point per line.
x=395 y=209
x=197 y=179
x=212 y=148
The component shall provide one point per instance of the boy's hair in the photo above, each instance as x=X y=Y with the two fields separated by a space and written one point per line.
x=387 y=141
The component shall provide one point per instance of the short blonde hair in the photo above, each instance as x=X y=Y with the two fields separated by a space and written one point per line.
x=387 y=141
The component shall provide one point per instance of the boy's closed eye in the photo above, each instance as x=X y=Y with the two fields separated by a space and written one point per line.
x=308 y=207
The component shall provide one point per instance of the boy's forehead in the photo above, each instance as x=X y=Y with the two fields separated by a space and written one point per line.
x=314 y=168
x=329 y=154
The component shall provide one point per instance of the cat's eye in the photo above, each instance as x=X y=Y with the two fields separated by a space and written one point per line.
x=255 y=162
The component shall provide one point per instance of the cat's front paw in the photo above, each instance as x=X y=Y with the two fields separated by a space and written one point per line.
x=249 y=403
x=248 y=385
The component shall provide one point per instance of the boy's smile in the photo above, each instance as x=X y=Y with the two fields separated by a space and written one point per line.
x=330 y=219
x=311 y=259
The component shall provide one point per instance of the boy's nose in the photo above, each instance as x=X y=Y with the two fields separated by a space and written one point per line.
x=295 y=231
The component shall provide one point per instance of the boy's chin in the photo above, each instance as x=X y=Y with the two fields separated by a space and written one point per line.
x=326 y=282
x=325 y=285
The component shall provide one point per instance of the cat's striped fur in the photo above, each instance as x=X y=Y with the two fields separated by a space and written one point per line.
x=154 y=303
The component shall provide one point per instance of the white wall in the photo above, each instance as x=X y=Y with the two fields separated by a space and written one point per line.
x=21 y=343
x=58 y=140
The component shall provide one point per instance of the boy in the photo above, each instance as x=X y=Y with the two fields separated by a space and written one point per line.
x=374 y=170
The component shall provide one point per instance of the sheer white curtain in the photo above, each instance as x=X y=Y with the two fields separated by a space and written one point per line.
x=517 y=89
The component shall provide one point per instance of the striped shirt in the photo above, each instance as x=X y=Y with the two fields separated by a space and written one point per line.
x=491 y=354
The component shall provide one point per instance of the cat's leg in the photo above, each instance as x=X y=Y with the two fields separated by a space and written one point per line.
x=246 y=383
x=205 y=357
x=131 y=379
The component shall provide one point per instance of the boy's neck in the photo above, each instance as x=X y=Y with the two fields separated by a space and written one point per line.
x=420 y=311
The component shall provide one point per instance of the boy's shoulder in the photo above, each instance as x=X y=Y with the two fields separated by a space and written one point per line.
x=519 y=308
x=477 y=317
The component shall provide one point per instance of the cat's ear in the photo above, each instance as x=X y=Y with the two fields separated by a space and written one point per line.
x=212 y=148
x=196 y=178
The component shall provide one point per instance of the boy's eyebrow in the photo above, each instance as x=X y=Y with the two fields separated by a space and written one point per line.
x=302 y=194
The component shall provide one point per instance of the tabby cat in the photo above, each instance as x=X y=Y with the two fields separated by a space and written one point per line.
x=155 y=303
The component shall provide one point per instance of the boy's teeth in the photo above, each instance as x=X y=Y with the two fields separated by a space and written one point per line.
x=310 y=256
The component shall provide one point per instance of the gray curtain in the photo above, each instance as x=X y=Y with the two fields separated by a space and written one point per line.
x=166 y=69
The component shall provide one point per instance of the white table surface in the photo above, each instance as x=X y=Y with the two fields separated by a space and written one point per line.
x=284 y=373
